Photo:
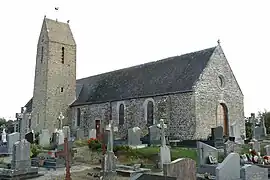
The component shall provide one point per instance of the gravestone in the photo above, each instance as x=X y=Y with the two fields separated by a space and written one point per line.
x=109 y=160
x=181 y=168
x=21 y=155
x=79 y=134
x=154 y=135
x=235 y=132
x=256 y=146
x=44 y=138
x=30 y=137
x=60 y=137
x=253 y=172
x=217 y=134
x=258 y=133
x=4 y=136
x=66 y=131
x=165 y=152
x=134 y=135
x=263 y=126
x=92 y=133
x=204 y=151
x=11 y=139
x=229 y=168
x=228 y=147
x=267 y=150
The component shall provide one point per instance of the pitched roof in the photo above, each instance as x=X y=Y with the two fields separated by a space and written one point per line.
x=170 y=75
x=59 y=32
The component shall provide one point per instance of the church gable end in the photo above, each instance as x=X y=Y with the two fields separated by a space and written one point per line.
x=218 y=97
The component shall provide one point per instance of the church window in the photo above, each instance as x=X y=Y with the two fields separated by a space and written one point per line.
x=63 y=55
x=41 y=58
x=121 y=114
x=150 y=113
x=221 y=81
x=62 y=89
x=78 y=117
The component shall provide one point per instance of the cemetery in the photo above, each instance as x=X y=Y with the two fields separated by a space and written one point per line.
x=26 y=154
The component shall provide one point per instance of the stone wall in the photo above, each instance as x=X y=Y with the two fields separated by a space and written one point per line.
x=177 y=110
x=51 y=76
x=209 y=94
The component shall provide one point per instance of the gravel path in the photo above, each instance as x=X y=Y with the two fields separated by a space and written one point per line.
x=53 y=175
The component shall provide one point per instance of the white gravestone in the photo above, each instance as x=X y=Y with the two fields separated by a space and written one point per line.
x=92 y=133
x=11 y=139
x=60 y=137
x=165 y=152
x=4 y=136
x=134 y=135
x=44 y=138
x=66 y=131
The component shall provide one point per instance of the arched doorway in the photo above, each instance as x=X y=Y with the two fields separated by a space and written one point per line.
x=222 y=118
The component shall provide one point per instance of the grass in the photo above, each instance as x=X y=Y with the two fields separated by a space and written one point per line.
x=80 y=143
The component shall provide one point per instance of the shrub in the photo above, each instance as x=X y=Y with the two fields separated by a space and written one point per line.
x=94 y=144
x=34 y=150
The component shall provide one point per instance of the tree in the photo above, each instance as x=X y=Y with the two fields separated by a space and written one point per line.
x=3 y=121
x=266 y=116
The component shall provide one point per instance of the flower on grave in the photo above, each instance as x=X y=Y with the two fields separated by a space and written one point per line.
x=255 y=159
x=253 y=152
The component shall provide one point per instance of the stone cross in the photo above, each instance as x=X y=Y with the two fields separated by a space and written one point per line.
x=110 y=138
x=162 y=126
x=263 y=124
x=60 y=118
x=253 y=125
x=23 y=122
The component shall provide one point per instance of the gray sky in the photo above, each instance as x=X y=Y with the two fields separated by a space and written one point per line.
x=120 y=33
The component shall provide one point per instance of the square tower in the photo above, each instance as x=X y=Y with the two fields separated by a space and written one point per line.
x=55 y=75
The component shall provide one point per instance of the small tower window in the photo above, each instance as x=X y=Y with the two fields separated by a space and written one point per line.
x=78 y=117
x=63 y=55
x=121 y=114
x=41 y=58
x=62 y=89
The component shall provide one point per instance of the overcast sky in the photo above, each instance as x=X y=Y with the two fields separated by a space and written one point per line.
x=121 y=33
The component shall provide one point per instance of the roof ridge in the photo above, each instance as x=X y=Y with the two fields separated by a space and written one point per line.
x=147 y=63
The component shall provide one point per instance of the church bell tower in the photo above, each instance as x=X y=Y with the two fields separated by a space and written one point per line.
x=55 y=75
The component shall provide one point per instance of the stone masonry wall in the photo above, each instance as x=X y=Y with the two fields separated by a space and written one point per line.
x=209 y=94
x=50 y=76
x=178 y=111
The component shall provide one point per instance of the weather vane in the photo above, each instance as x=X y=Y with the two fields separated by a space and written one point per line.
x=56 y=10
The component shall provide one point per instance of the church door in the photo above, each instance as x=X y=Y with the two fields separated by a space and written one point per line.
x=98 y=130
x=222 y=118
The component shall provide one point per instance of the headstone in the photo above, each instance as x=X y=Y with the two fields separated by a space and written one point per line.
x=44 y=138
x=154 y=135
x=134 y=135
x=204 y=151
x=11 y=139
x=109 y=160
x=92 y=133
x=66 y=131
x=256 y=146
x=258 y=132
x=60 y=137
x=181 y=168
x=267 y=150
x=253 y=172
x=229 y=168
x=253 y=121
x=80 y=134
x=30 y=137
x=236 y=133
x=217 y=134
x=4 y=136
x=24 y=123
x=21 y=155
x=229 y=147
x=263 y=126
x=165 y=152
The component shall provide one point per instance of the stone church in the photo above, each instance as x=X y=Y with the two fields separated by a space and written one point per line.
x=192 y=92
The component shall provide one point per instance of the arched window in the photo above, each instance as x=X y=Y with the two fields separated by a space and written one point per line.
x=222 y=118
x=121 y=114
x=150 y=113
x=78 y=117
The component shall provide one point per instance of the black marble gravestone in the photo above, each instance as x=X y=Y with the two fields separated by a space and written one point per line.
x=29 y=137
x=217 y=134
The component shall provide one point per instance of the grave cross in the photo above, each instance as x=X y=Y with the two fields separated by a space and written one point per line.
x=60 y=118
x=162 y=126
x=110 y=139
x=253 y=125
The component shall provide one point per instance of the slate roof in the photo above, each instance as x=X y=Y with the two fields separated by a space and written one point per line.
x=171 y=75
x=59 y=32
